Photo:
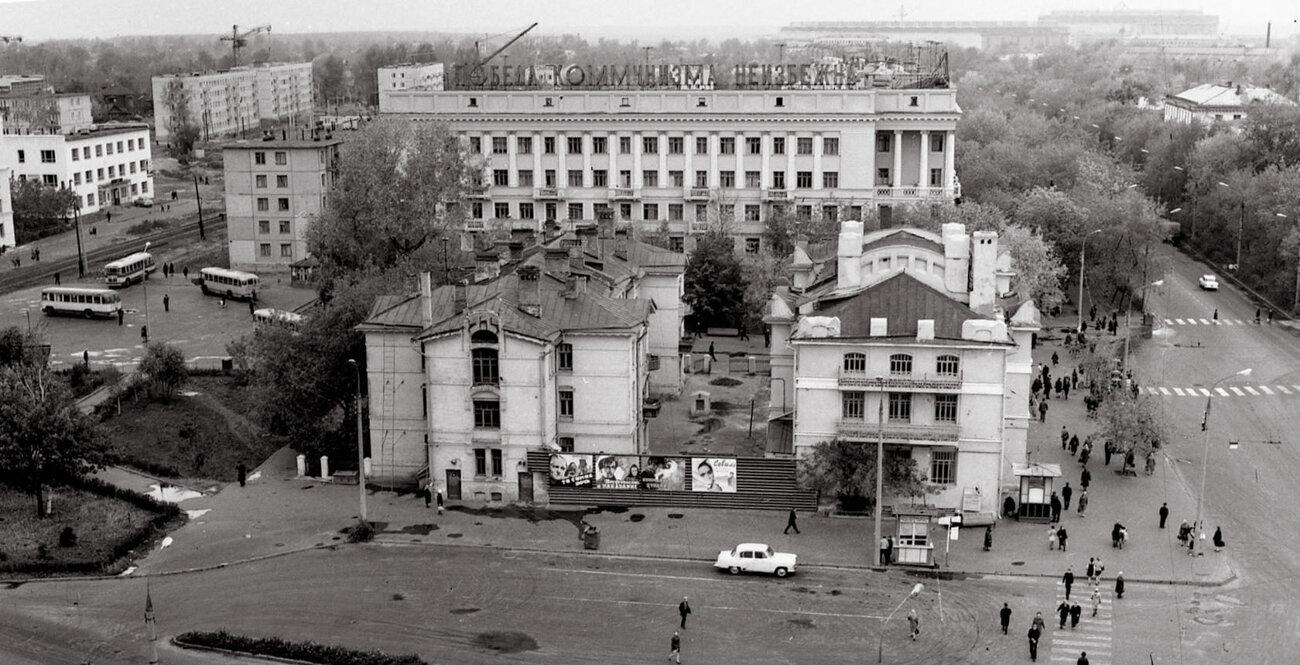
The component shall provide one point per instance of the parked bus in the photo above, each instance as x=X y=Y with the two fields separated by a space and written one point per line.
x=229 y=283
x=128 y=269
x=89 y=303
x=278 y=317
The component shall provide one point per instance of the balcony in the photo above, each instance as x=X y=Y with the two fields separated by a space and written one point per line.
x=477 y=192
x=776 y=195
x=929 y=383
x=698 y=226
x=548 y=193
x=474 y=225
x=624 y=194
x=698 y=194
x=916 y=193
x=859 y=430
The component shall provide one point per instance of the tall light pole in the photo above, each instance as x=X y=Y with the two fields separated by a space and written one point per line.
x=880 y=649
x=1083 y=254
x=144 y=284
x=880 y=462
x=1241 y=223
x=1197 y=528
x=361 y=456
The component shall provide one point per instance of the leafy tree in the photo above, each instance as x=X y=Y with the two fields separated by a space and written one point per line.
x=762 y=272
x=1273 y=133
x=1039 y=271
x=39 y=210
x=846 y=470
x=44 y=438
x=183 y=130
x=399 y=188
x=163 y=369
x=1135 y=425
x=715 y=281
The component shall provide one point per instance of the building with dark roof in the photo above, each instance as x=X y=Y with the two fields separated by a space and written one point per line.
x=903 y=338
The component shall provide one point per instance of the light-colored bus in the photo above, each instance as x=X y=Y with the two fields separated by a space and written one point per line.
x=89 y=303
x=229 y=283
x=128 y=269
x=279 y=318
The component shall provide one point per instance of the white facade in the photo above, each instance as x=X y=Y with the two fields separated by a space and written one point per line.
x=232 y=102
x=698 y=158
x=900 y=335
x=427 y=76
x=107 y=166
x=1209 y=103
x=273 y=191
x=7 y=237
x=45 y=113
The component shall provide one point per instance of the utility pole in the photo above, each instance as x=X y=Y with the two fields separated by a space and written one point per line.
x=199 y=200
x=81 y=254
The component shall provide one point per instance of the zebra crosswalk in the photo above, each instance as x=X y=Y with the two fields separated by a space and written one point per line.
x=1209 y=322
x=1093 y=635
x=1276 y=390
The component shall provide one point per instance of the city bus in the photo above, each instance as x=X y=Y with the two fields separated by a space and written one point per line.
x=128 y=269
x=228 y=283
x=278 y=318
x=89 y=303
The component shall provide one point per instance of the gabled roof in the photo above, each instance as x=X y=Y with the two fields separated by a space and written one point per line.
x=1209 y=94
x=902 y=300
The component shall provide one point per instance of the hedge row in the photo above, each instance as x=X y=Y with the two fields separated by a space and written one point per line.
x=309 y=652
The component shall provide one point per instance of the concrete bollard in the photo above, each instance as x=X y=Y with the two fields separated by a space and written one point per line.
x=365 y=464
x=302 y=465
x=324 y=467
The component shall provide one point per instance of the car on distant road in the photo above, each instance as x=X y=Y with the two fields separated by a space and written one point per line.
x=143 y=202
x=1209 y=283
x=755 y=558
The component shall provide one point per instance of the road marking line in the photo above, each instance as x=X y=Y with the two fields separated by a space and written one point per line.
x=1266 y=390
x=1205 y=392
x=1150 y=390
x=1230 y=322
x=1178 y=391
x=1284 y=390
x=1237 y=390
x=1251 y=390
x=1170 y=322
x=1221 y=391
x=1164 y=391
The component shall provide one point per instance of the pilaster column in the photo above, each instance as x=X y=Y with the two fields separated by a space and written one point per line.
x=714 y=141
x=925 y=159
x=817 y=162
x=663 y=159
x=512 y=160
x=539 y=176
x=949 y=162
x=586 y=160
x=896 y=175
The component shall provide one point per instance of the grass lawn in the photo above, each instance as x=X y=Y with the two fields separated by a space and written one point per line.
x=202 y=435
x=100 y=523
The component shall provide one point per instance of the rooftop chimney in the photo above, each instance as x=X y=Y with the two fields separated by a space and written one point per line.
x=557 y=262
x=879 y=326
x=530 y=291
x=487 y=266
x=620 y=244
x=925 y=330
x=461 y=298
x=849 y=267
x=575 y=286
x=516 y=250
x=426 y=299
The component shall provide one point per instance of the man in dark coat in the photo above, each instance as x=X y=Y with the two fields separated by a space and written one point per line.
x=1056 y=508
x=1063 y=611
x=1119 y=585
x=1068 y=579
x=1066 y=493
x=1006 y=617
x=1061 y=535
x=1164 y=514
x=1034 y=634
x=790 y=523
x=684 y=608
x=1075 y=612
x=1085 y=478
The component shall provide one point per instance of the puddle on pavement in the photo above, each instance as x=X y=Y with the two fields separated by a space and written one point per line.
x=505 y=641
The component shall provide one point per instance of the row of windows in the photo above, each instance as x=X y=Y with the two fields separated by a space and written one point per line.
x=482 y=456
x=281 y=157
x=676 y=145
x=281 y=181
x=651 y=212
x=50 y=156
x=115 y=171
x=286 y=250
x=650 y=178
x=487 y=411
x=901 y=364
x=486 y=371
x=264 y=204
x=264 y=226
x=854 y=402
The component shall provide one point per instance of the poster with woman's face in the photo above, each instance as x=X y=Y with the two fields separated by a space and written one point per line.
x=617 y=472
x=571 y=470
x=713 y=474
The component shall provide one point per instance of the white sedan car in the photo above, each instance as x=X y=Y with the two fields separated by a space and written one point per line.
x=755 y=558
x=1209 y=283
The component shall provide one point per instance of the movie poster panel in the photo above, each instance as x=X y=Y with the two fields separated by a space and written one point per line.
x=617 y=472
x=713 y=474
x=664 y=473
x=570 y=470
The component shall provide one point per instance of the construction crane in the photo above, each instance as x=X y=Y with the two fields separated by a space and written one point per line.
x=507 y=45
x=239 y=40
x=8 y=39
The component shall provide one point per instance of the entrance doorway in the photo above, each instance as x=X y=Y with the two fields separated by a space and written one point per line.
x=525 y=486
x=453 y=485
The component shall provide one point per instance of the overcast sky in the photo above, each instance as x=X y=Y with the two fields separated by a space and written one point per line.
x=36 y=20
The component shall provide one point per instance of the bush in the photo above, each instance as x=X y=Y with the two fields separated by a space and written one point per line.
x=146 y=226
x=307 y=652
x=363 y=532
x=67 y=537
x=725 y=381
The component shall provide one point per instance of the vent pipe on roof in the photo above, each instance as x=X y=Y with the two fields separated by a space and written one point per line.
x=426 y=299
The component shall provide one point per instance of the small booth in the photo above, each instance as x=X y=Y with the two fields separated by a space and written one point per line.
x=912 y=544
x=1037 y=482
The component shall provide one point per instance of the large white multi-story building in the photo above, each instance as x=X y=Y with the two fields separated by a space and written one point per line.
x=425 y=76
x=7 y=237
x=104 y=166
x=811 y=140
x=232 y=102
x=45 y=112
x=902 y=340
x=274 y=188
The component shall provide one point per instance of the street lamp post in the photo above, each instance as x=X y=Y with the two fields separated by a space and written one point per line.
x=361 y=456
x=1197 y=528
x=880 y=649
x=880 y=463
x=1083 y=253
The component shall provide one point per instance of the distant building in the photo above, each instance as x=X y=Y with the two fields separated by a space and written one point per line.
x=21 y=83
x=1209 y=103
x=1086 y=25
x=1005 y=36
x=232 y=102
x=117 y=103
x=908 y=325
x=427 y=76
x=44 y=112
x=274 y=188
x=7 y=233
x=108 y=165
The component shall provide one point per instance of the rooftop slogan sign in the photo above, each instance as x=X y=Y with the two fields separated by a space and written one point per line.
x=662 y=77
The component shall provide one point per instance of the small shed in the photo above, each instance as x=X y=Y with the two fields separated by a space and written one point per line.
x=701 y=403
x=1037 y=482
x=913 y=545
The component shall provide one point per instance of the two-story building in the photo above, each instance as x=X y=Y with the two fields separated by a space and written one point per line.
x=902 y=341
x=274 y=188
x=1209 y=103
x=465 y=380
x=106 y=165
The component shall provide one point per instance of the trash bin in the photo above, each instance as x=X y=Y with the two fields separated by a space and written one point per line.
x=591 y=538
x=227 y=364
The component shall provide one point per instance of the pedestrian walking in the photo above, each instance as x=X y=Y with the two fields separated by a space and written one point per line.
x=1100 y=568
x=684 y=608
x=889 y=551
x=1075 y=612
x=1074 y=444
x=1065 y=389
x=1055 y=505
x=1074 y=378
x=108 y=217
x=1119 y=585
x=711 y=356
x=1091 y=569
x=242 y=472
x=1055 y=359
x=1096 y=600
x=1042 y=411
x=57 y=281
x=185 y=272
x=884 y=550
x=1068 y=579
x=1164 y=514
x=1083 y=502
x=1034 y=634
x=1270 y=315
x=1257 y=316
x=437 y=497
x=85 y=361
x=1085 y=478
x=1051 y=538
x=988 y=538
x=1061 y=536
x=428 y=495
x=1092 y=312
x=1066 y=493
x=1005 y=613
x=675 y=653
x=1216 y=315
x=223 y=302
x=120 y=316
x=167 y=303
x=1083 y=658
x=1063 y=611
x=1065 y=438
x=250 y=308
x=1047 y=387
x=1218 y=537
x=914 y=623
x=791 y=523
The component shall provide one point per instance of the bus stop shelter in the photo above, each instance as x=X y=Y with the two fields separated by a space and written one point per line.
x=1037 y=482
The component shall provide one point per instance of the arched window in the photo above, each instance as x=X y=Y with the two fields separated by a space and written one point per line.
x=855 y=362
x=486 y=370
x=483 y=337
x=947 y=365
x=900 y=363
